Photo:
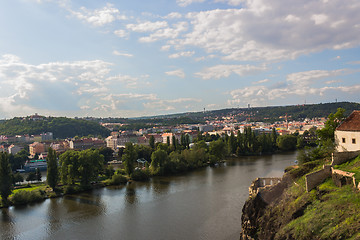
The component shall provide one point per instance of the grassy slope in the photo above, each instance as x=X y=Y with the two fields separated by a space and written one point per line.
x=327 y=212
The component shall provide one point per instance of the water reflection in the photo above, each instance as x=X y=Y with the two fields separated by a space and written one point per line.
x=202 y=204
x=7 y=228
x=130 y=194
x=54 y=216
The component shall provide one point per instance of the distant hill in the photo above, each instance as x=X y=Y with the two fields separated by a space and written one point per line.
x=61 y=127
x=269 y=114
x=272 y=113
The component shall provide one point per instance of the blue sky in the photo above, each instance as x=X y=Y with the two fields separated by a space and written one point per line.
x=144 y=58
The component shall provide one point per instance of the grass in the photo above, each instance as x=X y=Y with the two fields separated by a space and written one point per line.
x=330 y=213
x=351 y=166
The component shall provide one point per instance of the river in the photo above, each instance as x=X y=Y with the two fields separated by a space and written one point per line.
x=203 y=204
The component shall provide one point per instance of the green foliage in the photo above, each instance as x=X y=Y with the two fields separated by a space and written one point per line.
x=286 y=142
x=18 y=160
x=129 y=158
x=5 y=178
x=326 y=134
x=18 y=178
x=83 y=166
x=141 y=175
x=158 y=161
x=24 y=197
x=52 y=176
x=31 y=177
x=38 y=175
x=218 y=149
x=61 y=127
x=116 y=179
x=107 y=153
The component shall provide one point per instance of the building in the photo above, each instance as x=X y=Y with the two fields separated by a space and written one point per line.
x=86 y=143
x=112 y=141
x=14 y=149
x=48 y=136
x=36 y=148
x=347 y=134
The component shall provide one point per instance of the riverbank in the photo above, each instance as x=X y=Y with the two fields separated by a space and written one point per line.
x=288 y=211
x=202 y=204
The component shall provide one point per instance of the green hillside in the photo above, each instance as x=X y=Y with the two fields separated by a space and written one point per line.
x=61 y=127
x=326 y=212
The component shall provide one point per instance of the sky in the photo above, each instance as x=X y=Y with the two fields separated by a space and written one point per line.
x=143 y=58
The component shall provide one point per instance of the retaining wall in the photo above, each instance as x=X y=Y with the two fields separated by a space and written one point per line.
x=315 y=178
x=341 y=157
x=260 y=184
x=342 y=178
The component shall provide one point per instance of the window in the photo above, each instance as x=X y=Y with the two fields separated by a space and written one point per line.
x=343 y=140
x=354 y=141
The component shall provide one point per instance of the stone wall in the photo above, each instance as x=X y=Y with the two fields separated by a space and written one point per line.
x=341 y=157
x=342 y=178
x=259 y=184
x=315 y=178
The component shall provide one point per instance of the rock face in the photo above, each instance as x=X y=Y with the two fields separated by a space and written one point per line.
x=255 y=207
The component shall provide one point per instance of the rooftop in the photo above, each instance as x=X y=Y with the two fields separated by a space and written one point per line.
x=351 y=123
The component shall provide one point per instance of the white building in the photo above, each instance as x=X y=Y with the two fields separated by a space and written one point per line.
x=347 y=135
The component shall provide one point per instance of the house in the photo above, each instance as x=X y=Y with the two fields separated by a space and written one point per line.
x=14 y=149
x=86 y=143
x=36 y=148
x=347 y=134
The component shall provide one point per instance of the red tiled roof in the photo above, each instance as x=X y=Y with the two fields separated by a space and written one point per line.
x=351 y=123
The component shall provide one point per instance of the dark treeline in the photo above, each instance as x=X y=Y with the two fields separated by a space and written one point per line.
x=61 y=127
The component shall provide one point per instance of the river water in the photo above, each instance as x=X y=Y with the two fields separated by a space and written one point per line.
x=203 y=204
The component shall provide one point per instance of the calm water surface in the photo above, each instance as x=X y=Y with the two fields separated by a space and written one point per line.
x=204 y=204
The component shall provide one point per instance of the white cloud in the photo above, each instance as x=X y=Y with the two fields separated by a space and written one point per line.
x=168 y=105
x=166 y=33
x=182 y=54
x=121 y=33
x=129 y=81
x=179 y=73
x=261 y=81
x=297 y=84
x=184 y=3
x=222 y=71
x=269 y=31
x=231 y=2
x=319 y=18
x=117 y=53
x=173 y=15
x=165 y=48
x=147 y=26
x=53 y=86
x=99 y=17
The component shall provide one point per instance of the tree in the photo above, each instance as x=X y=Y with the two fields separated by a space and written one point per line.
x=90 y=165
x=38 y=175
x=326 y=134
x=52 y=176
x=31 y=177
x=5 y=178
x=287 y=142
x=152 y=142
x=107 y=153
x=158 y=160
x=18 y=178
x=218 y=149
x=129 y=158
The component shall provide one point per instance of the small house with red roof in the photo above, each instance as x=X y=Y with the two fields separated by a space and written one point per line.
x=347 y=134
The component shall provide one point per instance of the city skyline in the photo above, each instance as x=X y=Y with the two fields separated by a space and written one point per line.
x=131 y=59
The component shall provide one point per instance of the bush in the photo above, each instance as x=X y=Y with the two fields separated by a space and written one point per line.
x=140 y=175
x=116 y=179
x=24 y=197
x=70 y=189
